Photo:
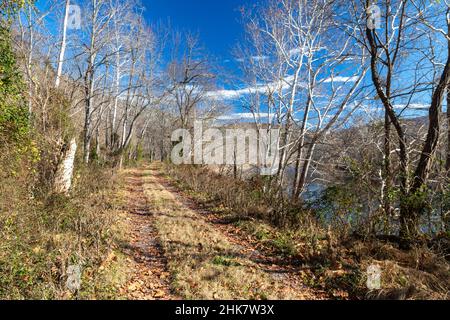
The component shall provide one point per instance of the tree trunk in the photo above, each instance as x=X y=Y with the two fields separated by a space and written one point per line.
x=116 y=102
x=447 y=165
x=97 y=143
x=87 y=129
x=387 y=165
x=64 y=171
x=29 y=64
x=301 y=142
x=62 y=49
x=89 y=85
x=87 y=147
x=410 y=212
x=305 y=170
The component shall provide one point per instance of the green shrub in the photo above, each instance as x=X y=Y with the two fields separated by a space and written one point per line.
x=14 y=124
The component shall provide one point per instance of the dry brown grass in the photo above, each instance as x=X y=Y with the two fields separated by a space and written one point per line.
x=416 y=274
x=203 y=262
x=338 y=264
x=42 y=236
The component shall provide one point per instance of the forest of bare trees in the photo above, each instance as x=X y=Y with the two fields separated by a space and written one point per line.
x=359 y=91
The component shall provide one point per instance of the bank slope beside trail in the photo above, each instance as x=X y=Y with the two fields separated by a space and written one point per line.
x=204 y=263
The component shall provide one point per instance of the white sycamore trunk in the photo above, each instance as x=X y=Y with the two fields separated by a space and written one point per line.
x=64 y=172
x=62 y=49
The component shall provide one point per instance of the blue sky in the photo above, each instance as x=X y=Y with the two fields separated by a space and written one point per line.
x=217 y=22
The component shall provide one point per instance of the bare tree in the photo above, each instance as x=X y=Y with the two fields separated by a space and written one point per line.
x=307 y=75
x=405 y=23
x=93 y=58
x=189 y=76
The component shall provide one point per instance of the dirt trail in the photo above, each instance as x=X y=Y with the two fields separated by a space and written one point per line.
x=178 y=251
x=146 y=263
x=209 y=261
x=175 y=249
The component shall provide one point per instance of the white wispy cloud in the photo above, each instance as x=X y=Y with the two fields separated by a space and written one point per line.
x=239 y=116
x=295 y=52
x=248 y=116
x=418 y=106
x=341 y=79
x=228 y=94
x=259 y=58
x=253 y=58
x=284 y=84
